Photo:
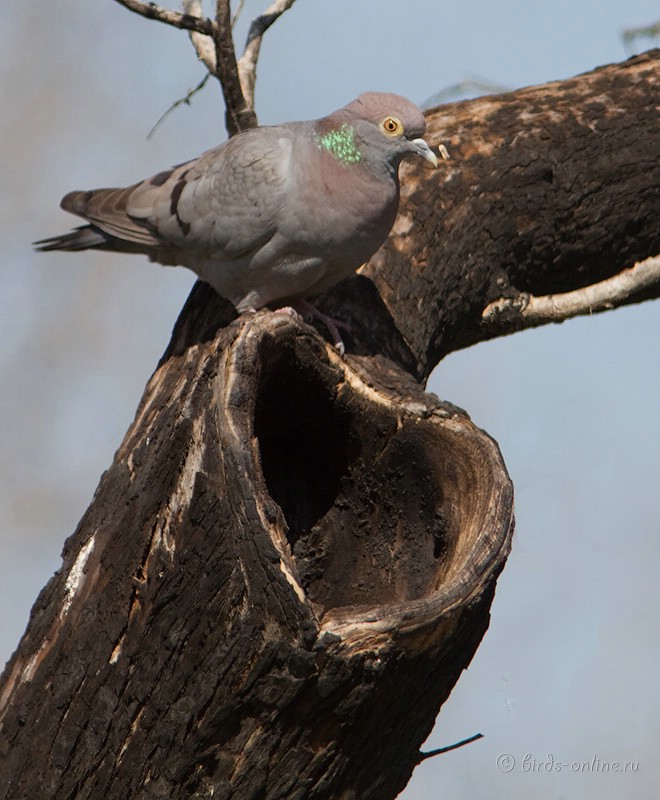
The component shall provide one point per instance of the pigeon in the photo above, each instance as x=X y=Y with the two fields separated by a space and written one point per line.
x=275 y=215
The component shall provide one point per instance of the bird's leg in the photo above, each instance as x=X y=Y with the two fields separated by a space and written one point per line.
x=308 y=312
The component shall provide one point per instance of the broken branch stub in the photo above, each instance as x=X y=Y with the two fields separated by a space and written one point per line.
x=278 y=583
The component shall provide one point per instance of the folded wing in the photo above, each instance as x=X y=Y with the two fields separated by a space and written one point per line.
x=223 y=204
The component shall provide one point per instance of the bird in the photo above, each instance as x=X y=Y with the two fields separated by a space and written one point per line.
x=273 y=216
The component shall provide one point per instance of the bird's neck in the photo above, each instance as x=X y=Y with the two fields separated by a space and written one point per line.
x=340 y=142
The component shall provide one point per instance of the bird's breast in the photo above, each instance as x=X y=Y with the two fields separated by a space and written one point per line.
x=345 y=210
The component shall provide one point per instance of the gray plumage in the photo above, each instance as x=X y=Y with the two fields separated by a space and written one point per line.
x=273 y=214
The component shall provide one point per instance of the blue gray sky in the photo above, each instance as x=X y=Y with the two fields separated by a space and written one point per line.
x=566 y=675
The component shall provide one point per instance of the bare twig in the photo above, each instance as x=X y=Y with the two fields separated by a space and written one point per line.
x=646 y=31
x=628 y=286
x=440 y=750
x=214 y=45
x=247 y=64
x=206 y=48
x=472 y=85
x=181 y=101
x=237 y=13
x=183 y=21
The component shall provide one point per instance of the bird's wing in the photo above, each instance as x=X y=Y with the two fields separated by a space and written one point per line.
x=224 y=202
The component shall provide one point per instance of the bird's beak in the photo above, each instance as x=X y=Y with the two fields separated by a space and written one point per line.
x=422 y=149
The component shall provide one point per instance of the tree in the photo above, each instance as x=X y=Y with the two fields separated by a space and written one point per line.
x=267 y=603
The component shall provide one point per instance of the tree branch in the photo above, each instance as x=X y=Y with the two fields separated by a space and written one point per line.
x=240 y=113
x=214 y=46
x=441 y=750
x=183 y=21
x=204 y=44
x=645 y=31
x=237 y=13
x=550 y=189
x=632 y=285
x=265 y=582
x=471 y=84
x=185 y=100
x=247 y=64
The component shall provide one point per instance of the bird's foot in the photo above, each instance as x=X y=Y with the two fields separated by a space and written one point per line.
x=290 y=311
x=308 y=312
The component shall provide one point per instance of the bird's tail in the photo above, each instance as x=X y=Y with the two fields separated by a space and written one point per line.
x=81 y=238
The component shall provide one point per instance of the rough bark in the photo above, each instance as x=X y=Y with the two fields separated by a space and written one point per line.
x=292 y=557
x=281 y=544
x=550 y=189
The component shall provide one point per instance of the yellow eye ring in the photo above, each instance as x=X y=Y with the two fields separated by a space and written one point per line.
x=391 y=126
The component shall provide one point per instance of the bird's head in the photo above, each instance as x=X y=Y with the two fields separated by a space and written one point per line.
x=376 y=127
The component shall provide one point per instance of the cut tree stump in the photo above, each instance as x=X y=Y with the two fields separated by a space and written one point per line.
x=280 y=573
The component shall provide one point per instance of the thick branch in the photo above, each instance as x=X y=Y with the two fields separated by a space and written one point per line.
x=632 y=285
x=549 y=190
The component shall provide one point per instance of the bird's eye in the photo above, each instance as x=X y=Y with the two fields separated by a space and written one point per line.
x=391 y=126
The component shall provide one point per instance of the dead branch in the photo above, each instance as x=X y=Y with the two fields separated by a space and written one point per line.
x=292 y=557
x=183 y=21
x=279 y=582
x=220 y=60
x=550 y=189
x=203 y=44
x=630 y=35
x=470 y=85
x=214 y=46
x=239 y=114
x=182 y=101
x=247 y=64
x=448 y=748
x=237 y=13
x=632 y=285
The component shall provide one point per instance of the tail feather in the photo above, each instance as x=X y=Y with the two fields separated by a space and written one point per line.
x=110 y=226
x=81 y=238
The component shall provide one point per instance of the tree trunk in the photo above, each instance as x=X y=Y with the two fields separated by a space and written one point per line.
x=293 y=555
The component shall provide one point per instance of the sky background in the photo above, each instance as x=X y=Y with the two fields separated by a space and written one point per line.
x=568 y=669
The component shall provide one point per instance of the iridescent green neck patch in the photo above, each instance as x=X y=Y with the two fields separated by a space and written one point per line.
x=341 y=143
